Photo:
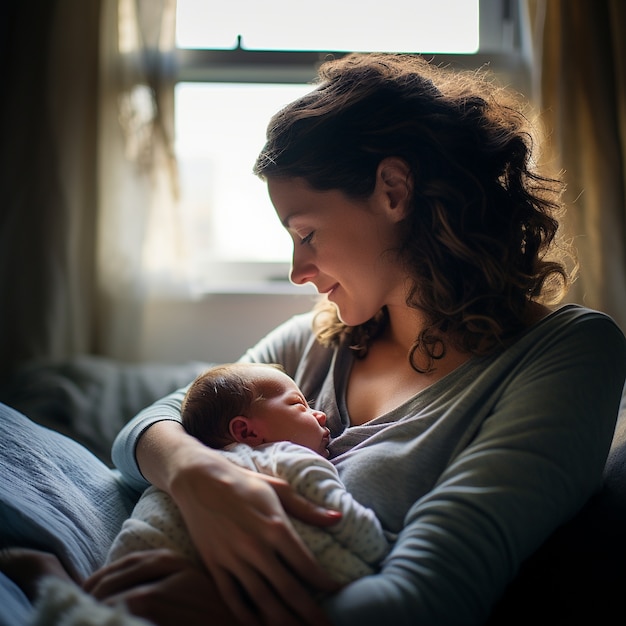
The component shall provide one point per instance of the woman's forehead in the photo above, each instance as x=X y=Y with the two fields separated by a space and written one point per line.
x=289 y=196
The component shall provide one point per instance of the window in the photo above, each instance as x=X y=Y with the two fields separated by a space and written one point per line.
x=330 y=25
x=239 y=65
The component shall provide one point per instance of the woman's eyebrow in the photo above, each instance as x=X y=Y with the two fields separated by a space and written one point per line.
x=290 y=217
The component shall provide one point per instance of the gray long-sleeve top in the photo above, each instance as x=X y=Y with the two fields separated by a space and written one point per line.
x=472 y=474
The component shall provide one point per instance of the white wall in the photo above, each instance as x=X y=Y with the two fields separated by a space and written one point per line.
x=217 y=328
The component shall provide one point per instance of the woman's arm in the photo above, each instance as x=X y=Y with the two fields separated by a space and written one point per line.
x=236 y=518
x=126 y=444
x=536 y=460
x=239 y=527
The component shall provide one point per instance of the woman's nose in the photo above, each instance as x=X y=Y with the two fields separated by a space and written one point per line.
x=302 y=269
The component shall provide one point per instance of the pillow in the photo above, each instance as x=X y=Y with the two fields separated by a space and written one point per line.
x=55 y=495
x=90 y=398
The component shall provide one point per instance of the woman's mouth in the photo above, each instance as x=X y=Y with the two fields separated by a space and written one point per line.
x=329 y=292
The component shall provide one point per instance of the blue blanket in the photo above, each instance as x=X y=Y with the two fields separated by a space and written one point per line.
x=57 y=496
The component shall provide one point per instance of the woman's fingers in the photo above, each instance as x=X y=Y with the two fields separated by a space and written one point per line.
x=276 y=575
x=269 y=607
x=248 y=544
x=255 y=601
x=297 y=559
x=163 y=587
x=236 y=599
x=133 y=570
x=26 y=567
x=274 y=583
x=299 y=507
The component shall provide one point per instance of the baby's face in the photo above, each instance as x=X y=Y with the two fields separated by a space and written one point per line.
x=281 y=413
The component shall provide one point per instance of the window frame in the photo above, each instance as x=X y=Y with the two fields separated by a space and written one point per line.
x=503 y=47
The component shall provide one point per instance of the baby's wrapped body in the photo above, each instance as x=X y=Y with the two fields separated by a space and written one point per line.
x=351 y=548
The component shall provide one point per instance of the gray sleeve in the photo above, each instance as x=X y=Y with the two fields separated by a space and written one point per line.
x=536 y=460
x=123 y=451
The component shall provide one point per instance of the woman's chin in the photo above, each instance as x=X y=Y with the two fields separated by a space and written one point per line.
x=351 y=317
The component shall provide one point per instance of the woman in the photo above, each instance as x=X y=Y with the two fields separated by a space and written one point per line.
x=469 y=416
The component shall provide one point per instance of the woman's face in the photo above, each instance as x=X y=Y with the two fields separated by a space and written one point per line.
x=341 y=246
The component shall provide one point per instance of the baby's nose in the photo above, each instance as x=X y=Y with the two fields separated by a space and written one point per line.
x=321 y=417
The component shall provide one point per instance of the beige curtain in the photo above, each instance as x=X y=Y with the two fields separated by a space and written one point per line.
x=47 y=177
x=140 y=242
x=580 y=80
x=88 y=229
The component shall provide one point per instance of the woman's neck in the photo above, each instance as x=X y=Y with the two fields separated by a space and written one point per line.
x=403 y=327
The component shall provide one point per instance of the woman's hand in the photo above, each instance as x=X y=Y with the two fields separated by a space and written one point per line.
x=258 y=562
x=26 y=567
x=262 y=569
x=162 y=587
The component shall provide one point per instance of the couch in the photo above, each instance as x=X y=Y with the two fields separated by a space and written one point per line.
x=576 y=577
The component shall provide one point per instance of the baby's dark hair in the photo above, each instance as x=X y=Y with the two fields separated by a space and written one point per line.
x=215 y=397
x=479 y=240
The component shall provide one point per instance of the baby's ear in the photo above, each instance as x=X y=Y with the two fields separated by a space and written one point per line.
x=242 y=431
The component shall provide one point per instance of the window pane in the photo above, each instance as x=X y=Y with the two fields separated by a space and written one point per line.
x=394 y=25
x=220 y=129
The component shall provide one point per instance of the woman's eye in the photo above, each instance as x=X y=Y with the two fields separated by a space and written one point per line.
x=307 y=239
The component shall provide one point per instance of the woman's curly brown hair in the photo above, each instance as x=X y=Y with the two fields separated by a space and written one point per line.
x=483 y=219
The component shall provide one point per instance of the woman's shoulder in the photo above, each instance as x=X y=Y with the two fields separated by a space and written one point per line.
x=577 y=334
x=575 y=319
x=578 y=311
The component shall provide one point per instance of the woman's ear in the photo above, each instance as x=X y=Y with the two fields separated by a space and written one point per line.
x=242 y=431
x=394 y=186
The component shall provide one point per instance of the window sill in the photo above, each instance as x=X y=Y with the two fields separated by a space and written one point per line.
x=264 y=288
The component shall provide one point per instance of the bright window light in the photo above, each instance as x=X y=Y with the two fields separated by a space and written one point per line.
x=220 y=130
x=393 y=25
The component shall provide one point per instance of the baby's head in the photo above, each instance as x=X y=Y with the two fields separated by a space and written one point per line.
x=251 y=403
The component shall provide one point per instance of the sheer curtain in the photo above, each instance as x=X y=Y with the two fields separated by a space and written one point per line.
x=580 y=80
x=88 y=225
x=141 y=248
